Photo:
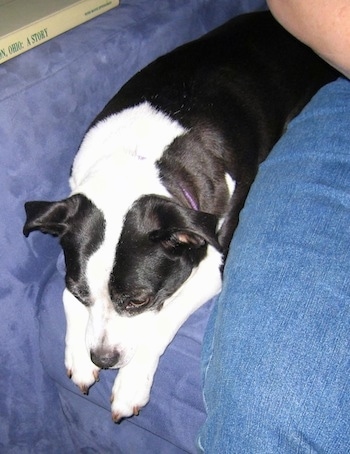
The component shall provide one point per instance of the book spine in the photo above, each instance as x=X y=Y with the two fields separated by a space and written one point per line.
x=28 y=37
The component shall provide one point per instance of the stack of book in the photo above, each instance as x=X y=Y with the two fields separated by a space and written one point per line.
x=25 y=24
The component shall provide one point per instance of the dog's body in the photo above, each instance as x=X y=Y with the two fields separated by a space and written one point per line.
x=157 y=187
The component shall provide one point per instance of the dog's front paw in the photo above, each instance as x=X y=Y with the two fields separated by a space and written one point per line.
x=130 y=393
x=82 y=371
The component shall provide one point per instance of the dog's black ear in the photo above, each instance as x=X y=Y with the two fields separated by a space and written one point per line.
x=195 y=230
x=50 y=217
x=172 y=239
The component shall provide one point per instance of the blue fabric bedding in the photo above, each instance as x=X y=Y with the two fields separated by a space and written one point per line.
x=48 y=97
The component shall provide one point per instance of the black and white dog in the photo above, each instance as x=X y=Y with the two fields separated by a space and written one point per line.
x=157 y=187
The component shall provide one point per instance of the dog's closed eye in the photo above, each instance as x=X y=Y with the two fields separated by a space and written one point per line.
x=134 y=303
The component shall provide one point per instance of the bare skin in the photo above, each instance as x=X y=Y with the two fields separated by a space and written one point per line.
x=323 y=25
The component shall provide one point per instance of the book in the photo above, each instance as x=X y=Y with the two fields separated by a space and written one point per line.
x=25 y=24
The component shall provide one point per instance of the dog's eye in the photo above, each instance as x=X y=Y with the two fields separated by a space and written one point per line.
x=137 y=303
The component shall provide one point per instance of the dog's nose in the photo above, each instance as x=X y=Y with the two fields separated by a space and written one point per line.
x=104 y=358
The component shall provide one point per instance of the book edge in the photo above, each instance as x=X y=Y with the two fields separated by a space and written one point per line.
x=48 y=27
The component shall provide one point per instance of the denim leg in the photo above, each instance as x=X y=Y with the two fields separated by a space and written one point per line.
x=276 y=355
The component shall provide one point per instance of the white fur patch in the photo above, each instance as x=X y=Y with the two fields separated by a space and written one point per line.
x=131 y=139
x=231 y=184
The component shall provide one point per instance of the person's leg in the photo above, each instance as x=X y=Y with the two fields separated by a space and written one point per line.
x=276 y=355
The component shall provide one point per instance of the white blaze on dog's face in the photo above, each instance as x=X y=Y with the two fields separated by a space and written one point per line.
x=129 y=248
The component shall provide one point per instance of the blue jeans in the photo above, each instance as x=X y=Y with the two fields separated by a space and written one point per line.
x=276 y=355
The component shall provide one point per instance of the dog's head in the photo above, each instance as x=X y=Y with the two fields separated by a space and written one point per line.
x=128 y=272
x=160 y=244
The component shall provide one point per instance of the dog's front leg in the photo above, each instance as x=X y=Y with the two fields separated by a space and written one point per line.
x=133 y=384
x=132 y=387
x=78 y=364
